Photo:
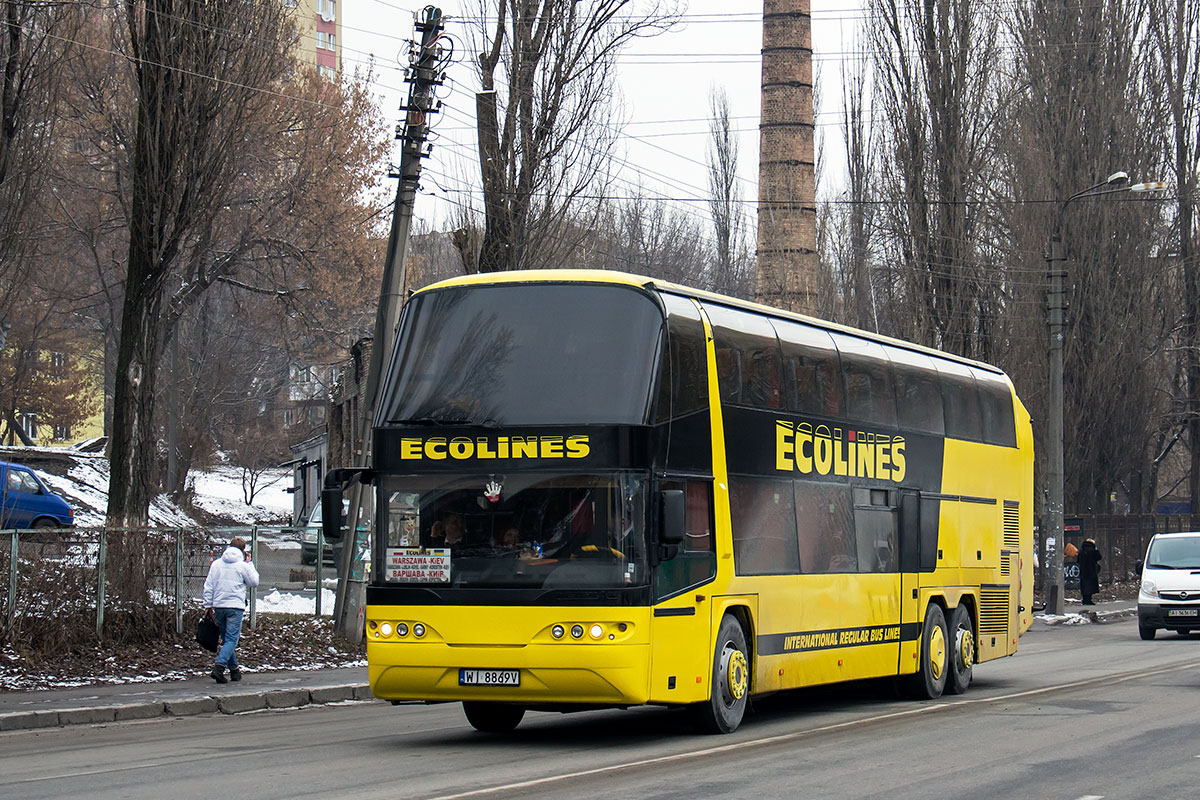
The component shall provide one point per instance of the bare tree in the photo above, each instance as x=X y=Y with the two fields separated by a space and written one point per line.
x=200 y=74
x=545 y=121
x=1173 y=44
x=851 y=218
x=649 y=236
x=1080 y=115
x=937 y=73
x=731 y=262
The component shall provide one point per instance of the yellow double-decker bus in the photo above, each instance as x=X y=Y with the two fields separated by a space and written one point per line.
x=598 y=490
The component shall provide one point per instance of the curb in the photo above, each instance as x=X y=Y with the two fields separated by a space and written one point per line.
x=231 y=703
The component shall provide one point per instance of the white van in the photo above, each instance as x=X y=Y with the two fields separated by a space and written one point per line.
x=1169 y=596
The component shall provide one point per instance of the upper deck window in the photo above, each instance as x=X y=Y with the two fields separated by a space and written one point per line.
x=865 y=367
x=747 y=357
x=918 y=391
x=960 y=398
x=683 y=376
x=525 y=354
x=812 y=379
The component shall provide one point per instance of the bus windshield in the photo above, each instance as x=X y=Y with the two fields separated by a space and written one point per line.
x=522 y=354
x=525 y=531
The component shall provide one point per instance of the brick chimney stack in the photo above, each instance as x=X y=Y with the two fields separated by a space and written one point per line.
x=787 y=206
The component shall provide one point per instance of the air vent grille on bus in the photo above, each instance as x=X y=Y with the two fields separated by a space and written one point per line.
x=1012 y=526
x=993 y=611
x=1006 y=563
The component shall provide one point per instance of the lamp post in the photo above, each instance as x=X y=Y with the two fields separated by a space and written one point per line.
x=1056 y=271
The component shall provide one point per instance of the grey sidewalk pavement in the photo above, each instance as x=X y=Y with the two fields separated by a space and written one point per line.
x=201 y=695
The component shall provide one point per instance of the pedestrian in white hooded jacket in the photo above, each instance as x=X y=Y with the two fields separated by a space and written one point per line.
x=225 y=600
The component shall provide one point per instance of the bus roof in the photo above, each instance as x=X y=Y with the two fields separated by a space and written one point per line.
x=641 y=281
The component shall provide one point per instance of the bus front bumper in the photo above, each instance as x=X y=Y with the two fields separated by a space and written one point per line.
x=567 y=673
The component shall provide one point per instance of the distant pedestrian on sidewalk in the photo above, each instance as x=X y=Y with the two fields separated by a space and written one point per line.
x=1089 y=570
x=225 y=600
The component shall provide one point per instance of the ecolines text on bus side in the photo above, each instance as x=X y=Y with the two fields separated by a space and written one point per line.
x=465 y=448
x=807 y=448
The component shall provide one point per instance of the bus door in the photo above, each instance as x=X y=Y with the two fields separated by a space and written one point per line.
x=681 y=661
x=911 y=548
x=876 y=525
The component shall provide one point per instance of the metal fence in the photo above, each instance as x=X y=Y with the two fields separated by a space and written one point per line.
x=1122 y=540
x=78 y=573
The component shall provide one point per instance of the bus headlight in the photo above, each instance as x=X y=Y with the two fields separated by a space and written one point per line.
x=557 y=631
x=402 y=629
x=386 y=629
x=418 y=630
x=596 y=631
x=1149 y=589
x=577 y=631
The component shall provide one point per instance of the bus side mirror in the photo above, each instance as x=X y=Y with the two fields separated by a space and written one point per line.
x=331 y=514
x=672 y=513
x=1141 y=565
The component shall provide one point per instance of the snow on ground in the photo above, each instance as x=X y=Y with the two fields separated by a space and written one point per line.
x=218 y=492
x=1064 y=619
x=285 y=603
x=86 y=489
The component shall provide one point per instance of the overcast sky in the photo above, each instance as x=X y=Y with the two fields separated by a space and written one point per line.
x=665 y=86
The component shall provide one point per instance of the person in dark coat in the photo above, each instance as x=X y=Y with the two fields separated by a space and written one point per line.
x=1089 y=571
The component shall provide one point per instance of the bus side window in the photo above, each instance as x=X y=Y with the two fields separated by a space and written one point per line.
x=696 y=561
x=683 y=368
x=918 y=392
x=812 y=381
x=869 y=395
x=747 y=358
x=995 y=398
x=763 y=516
x=824 y=515
x=875 y=530
x=960 y=396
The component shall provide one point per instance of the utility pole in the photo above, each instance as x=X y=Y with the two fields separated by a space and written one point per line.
x=1055 y=300
x=1056 y=271
x=423 y=75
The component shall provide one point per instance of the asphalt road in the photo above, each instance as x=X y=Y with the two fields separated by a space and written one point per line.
x=1081 y=712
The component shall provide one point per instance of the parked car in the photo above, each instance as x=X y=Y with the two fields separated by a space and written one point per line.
x=1169 y=595
x=26 y=501
x=309 y=538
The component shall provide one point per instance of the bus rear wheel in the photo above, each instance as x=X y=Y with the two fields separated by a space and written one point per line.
x=962 y=650
x=930 y=680
x=492 y=717
x=730 y=681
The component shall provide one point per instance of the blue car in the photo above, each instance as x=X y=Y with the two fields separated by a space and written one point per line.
x=26 y=502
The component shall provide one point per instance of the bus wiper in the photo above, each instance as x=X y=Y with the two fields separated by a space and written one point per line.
x=1165 y=566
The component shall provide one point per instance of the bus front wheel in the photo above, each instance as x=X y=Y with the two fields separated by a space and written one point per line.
x=730 y=681
x=934 y=658
x=962 y=650
x=492 y=717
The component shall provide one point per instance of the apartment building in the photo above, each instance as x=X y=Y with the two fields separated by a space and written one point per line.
x=320 y=29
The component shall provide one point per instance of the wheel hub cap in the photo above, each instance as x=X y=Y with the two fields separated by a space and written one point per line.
x=737 y=674
x=966 y=649
x=937 y=653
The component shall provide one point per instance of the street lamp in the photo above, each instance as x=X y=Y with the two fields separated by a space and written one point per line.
x=1056 y=269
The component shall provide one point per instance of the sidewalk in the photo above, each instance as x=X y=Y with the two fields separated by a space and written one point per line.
x=1076 y=613
x=257 y=690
